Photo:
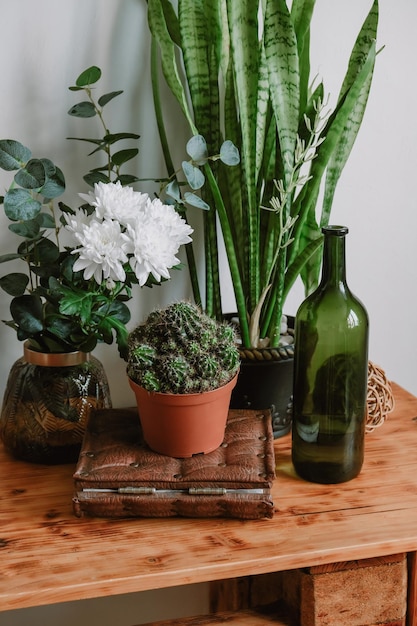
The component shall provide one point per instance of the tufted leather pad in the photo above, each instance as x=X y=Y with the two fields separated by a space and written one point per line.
x=117 y=475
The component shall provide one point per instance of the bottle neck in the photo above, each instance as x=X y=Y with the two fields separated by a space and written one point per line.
x=334 y=256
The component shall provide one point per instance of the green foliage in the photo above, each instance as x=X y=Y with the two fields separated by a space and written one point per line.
x=52 y=306
x=181 y=350
x=240 y=72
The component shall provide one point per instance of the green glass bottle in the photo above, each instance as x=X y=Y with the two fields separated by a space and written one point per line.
x=330 y=373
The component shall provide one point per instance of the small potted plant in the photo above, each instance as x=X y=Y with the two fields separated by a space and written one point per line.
x=182 y=366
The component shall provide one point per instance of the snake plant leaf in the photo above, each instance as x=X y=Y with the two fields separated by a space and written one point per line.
x=14 y=283
x=244 y=32
x=229 y=154
x=161 y=32
x=13 y=155
x=196 y=148
x=333 y=132
x=196 y=54
x=194 y=200
x=194 y=176
x=108 y=97
x=19 y=205
x=301 y=14
x=347 y=139
x=283 y=68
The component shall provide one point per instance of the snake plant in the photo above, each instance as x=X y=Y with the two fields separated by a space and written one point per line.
x=240 y=72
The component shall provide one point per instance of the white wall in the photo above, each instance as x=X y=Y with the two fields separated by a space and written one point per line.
x=46 y=44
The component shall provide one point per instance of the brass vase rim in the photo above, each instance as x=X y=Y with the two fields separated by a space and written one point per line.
x=54 y=359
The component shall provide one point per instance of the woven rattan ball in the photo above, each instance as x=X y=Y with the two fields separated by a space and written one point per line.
x=380 y=399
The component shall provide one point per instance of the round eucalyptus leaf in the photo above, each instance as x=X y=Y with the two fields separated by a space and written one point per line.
x=26 y=311
x=32 y=176
x=29 y=229
x=89 y=76
x=229 y=154
x=19 y=205
x=197 y=149
x=173 y=190
x=83 y=109
x=196 y=201
x=46 y=251
x=13 y=155
x=54 y=185
x=194 y=176
x=45 y=220
x=14 y=284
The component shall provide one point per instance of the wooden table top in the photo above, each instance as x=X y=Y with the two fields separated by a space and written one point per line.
x=48 y=555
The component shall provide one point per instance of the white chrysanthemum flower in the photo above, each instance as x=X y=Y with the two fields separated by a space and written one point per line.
x=157 y=237
x=102 y=252
x=115 y=202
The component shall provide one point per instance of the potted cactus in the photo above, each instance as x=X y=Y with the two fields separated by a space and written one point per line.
x=182 y=366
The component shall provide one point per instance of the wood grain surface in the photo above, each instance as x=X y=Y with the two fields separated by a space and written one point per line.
x=48 y=555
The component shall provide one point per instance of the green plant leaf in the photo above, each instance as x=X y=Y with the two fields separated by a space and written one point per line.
x=54 y=185
x=113 y=137
x=107 y=97
x=12 y=256
x=127 y=179
x=283 y=71
x=161 y=32
x=196 y=201
x=197 y=149
x=46 y=251
x=19 y=205
x=194 y=176
x=173 y=190
x=89 y=76
x=118 y=158
x=13 y=155
x=45 y=220
x=28 y=229
x=83 y=109
x=95 y=177
x=229 y=154
x=347 y=138
x=26 y=311
x=14 y=283
x=32 y=176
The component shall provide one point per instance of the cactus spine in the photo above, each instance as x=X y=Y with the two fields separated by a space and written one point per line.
x=181 y=350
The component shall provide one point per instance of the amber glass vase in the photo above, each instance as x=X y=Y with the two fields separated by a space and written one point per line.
x=47 y=403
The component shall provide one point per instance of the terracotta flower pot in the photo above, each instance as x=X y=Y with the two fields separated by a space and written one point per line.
x=181 y=425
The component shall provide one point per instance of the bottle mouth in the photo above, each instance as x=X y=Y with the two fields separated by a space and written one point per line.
x=337 y=231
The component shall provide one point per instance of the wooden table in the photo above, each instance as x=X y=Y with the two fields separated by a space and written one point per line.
x=47 y=555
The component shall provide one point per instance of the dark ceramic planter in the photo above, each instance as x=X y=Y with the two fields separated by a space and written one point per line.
x=265 y=382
